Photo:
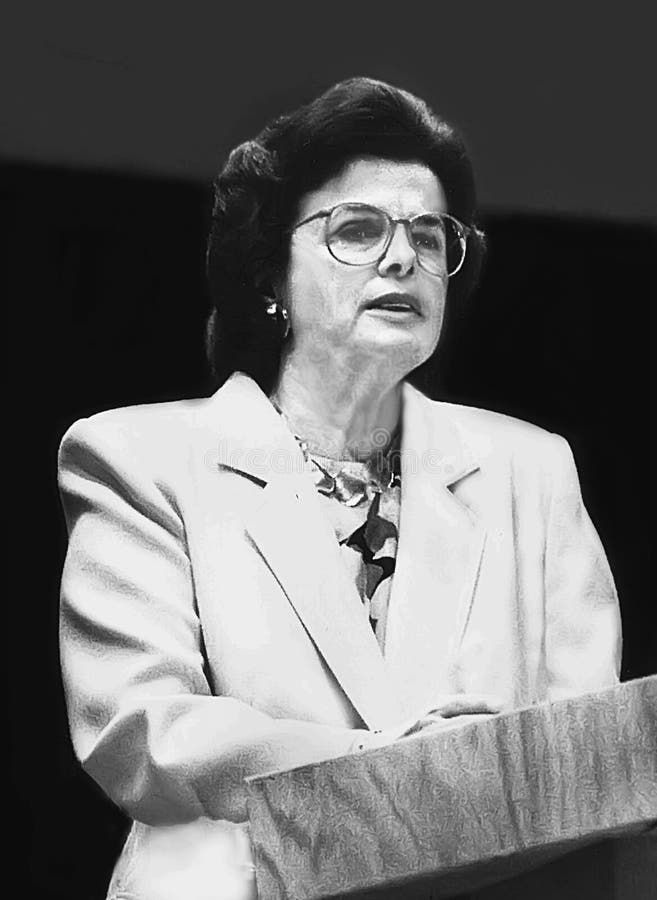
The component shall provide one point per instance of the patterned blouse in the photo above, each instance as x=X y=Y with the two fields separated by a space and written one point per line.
x=362 y=501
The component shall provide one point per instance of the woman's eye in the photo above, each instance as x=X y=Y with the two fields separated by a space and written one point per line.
x=429 y=240
x=359 y=231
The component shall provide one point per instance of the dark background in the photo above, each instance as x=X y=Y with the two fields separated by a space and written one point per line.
x=113 y=122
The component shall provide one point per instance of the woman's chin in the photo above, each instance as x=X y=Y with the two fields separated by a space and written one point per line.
x=414 y=337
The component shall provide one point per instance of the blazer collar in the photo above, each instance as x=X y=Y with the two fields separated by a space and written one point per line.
x=256 y=440
x=433 y=445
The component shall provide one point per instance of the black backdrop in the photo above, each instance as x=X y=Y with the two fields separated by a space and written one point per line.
x=105 y=304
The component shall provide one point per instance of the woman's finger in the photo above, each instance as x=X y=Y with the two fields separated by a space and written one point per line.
x=467 y=704
x=440 y=724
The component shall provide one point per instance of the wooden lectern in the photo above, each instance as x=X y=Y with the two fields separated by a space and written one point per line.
x=555 y=801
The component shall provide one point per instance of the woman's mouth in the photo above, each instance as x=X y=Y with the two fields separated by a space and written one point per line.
x=394 y=303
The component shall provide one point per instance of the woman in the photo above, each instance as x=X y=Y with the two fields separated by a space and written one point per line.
x=317 y=559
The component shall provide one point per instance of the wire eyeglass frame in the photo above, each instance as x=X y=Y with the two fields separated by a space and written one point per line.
x=462 y=232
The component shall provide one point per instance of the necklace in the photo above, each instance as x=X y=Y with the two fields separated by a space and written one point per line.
x=353 y=482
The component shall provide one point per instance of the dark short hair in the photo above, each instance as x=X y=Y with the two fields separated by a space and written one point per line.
x=257 y=195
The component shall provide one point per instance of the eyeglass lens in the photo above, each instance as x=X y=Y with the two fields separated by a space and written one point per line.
x=357 y=235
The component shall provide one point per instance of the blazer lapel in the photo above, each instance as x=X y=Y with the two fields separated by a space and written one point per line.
x=438 y=558
x=301 y=549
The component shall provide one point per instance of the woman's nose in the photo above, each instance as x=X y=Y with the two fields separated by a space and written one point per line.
x=400 y=255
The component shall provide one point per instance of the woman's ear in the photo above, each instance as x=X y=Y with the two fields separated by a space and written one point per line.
x=266 y=290
x=277 y=282
x=271 y=287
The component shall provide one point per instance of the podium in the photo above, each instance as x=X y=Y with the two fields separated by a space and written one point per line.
x=558 y=800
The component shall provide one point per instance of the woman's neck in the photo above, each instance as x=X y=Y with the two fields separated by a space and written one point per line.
x=337 y=416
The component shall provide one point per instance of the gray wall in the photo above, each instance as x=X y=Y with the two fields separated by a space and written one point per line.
x=556 y=99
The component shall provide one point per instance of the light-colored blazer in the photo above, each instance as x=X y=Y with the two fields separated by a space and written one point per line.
x=209 y=631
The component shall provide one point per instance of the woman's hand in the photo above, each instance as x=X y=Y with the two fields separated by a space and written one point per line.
x=461 y=706
x=449 y=711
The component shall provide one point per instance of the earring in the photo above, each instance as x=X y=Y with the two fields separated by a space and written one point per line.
x=275 y=310
x=286 y=320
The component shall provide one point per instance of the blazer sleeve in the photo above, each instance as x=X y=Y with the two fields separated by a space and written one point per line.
x=583 y=627
x=144 y=722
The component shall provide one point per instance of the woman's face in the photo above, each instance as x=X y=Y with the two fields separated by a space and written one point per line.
x=332 y=306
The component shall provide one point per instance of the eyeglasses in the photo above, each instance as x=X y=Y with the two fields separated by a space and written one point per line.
x=357 y=234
